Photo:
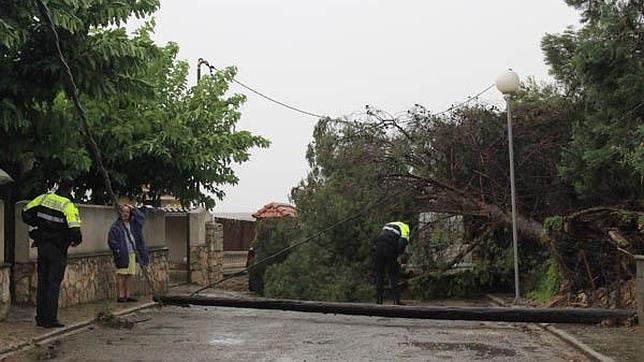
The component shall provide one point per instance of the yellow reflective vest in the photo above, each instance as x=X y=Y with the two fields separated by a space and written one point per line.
x=52 y=211
x=399 y=228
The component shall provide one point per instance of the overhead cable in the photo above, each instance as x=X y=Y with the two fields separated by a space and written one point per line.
x=312 y=114
x=296 y=109
x=468 y=100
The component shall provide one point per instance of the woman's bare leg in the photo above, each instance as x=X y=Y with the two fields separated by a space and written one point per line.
x=121 y=286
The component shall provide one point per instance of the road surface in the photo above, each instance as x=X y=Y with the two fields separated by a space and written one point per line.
x=229 y=334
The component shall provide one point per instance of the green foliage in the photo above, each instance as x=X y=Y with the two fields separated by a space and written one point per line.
x=553 y=224
x=272 y=235
x=181 y=141
x=577 y=144
x=342 y=182
x=601 y=64
x=548 y=282
x=304 y=276
x=152 y=129
x=104 y=60
x=467 y=283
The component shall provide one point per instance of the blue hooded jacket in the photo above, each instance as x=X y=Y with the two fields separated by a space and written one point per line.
x=117 y=240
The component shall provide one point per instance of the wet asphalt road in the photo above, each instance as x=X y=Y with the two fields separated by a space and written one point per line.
x=229 y=334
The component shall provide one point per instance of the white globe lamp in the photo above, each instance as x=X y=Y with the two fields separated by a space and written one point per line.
x=507 y=82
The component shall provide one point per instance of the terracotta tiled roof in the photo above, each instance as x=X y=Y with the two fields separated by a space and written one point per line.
x=276 y=209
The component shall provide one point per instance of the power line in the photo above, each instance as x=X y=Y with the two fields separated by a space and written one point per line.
x=308 y=113
x=296 y=109
x=468 y=100
x=312 y=114
x=373 y=111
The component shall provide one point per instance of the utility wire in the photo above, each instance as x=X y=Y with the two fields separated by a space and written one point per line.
x=312 y=114
x=312 y=237
x=371 y=111
x=468 y=100
x=296 y=109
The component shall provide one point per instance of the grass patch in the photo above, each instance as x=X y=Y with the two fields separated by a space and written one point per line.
x=548 y=282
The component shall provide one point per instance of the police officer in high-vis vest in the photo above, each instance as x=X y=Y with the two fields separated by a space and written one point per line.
x=57 y=226
x=391 y=242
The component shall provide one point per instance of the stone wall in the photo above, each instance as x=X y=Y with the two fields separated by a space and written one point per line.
x=5 y=294
x=96 y=223
x=206 y=261
x=91 y=277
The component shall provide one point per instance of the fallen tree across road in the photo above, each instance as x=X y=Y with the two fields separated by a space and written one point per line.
x=496 y=314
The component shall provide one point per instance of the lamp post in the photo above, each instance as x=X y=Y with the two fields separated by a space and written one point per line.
x=508 y=84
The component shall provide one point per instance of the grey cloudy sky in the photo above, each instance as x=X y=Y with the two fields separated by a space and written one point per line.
x=335 y=56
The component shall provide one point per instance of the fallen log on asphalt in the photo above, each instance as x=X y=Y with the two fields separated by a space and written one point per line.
x=496 y=314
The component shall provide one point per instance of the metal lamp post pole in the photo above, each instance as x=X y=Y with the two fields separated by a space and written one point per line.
x=515 y=238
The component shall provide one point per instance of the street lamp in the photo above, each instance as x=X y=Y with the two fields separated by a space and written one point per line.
x=508 y=84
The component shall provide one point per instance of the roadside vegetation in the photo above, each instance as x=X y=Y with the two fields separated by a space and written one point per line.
x=579 y=158
x=152 y=127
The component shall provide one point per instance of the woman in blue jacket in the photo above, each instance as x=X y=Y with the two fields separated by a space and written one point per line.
x=126 y=242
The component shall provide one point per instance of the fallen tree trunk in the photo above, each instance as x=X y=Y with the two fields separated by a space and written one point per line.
x=531 y=315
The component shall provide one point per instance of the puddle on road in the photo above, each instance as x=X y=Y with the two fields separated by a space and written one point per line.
x=225 y=341
x=482 y=350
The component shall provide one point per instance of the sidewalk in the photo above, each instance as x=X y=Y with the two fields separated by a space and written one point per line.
x=617 y=343
x=20 y=327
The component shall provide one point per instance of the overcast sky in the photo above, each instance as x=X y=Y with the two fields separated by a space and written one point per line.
x=333 y=57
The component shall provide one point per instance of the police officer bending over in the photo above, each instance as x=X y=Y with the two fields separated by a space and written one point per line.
x=391 y=242
x=57 y=226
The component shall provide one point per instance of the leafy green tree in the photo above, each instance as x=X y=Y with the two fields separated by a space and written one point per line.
x=180 y=141
x=151 y=127
x=103 y=60
x=272 y=236
x=602 y=65
x=343 y=181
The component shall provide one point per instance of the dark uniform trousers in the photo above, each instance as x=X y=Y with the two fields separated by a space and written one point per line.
x=386 y=261
x=52 y=260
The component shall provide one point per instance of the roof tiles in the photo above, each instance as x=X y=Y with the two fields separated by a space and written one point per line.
x=276 y=209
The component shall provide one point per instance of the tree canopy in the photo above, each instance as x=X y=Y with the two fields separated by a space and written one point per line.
x=578 y=144
x=601 y=67
x=152 y=128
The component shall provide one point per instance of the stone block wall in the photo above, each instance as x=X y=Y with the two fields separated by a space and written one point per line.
x=5 y=294
x=90 y=278
x=206 y=260
x=97 y=221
